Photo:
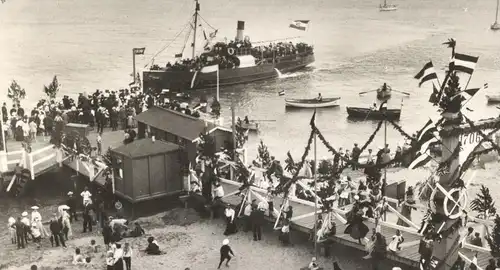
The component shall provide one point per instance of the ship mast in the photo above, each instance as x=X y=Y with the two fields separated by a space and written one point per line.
x=197 y=8
x=496 y=16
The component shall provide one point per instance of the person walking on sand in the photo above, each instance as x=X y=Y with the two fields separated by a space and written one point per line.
x=225 y=250
x=99 y=144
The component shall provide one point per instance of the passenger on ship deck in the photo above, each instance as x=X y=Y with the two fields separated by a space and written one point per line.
x=246 y=120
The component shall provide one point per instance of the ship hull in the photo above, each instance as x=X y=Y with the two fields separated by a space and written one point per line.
x=180 y=80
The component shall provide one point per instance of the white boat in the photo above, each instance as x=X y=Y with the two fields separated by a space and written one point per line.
x=493 y=98
x=386 y=7
x=252 y=126
x=312 y=103
x=496 y=26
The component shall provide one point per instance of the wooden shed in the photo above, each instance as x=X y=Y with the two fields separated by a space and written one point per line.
x=181 y=129
x=146 y=169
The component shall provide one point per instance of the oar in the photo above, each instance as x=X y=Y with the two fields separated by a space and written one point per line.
x=361 y=93
x=406 y=93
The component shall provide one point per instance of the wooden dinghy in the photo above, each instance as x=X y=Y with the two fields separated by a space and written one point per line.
x=493 y=99
x=365 y=113
x=312 y=103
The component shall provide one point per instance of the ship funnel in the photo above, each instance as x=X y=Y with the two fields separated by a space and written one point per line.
x=240 y=31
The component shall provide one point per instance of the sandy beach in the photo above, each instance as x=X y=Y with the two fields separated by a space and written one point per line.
x=187 y=241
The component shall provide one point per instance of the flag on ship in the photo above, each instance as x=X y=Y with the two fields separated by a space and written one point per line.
x=485 y=85
x=281 y=93
x=464 y=63
x=426 y=74
x=139 y=51
x=178 y=55
x=300 y=24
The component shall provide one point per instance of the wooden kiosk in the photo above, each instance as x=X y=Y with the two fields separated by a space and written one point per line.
x=146 y=170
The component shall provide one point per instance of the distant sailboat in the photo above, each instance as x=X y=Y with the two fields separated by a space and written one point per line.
x=496 y=25
x=386 y=7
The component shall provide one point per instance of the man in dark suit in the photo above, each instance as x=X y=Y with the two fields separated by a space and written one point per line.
x=257 y=218
x=56 y=231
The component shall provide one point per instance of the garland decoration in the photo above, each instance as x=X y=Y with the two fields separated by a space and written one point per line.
x=489 y=123
x=370 y=139
x=478 y=130
x=400 y=130
x=285 y=186
x=444 y=166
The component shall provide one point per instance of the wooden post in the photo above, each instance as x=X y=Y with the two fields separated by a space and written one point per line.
x=233 y=124
x=450 y=142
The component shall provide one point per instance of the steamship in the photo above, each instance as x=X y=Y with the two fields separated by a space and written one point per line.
x=224 y=64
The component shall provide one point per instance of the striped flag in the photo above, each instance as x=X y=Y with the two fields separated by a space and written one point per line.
x=300 y=24
x=427 y=73
x=464 y=63
x=281 y=93
x=434 y=96
x=485 y=85
x=428 y=129
x=423 y=155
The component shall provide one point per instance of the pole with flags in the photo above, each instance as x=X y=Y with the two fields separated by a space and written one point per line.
x=136 y=51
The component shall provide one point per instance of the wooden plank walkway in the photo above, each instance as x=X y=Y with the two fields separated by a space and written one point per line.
x=408 y=255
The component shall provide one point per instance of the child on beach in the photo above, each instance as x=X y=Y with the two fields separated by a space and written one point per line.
x=396 y=241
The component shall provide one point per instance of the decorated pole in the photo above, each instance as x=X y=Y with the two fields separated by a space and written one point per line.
x=315 y=197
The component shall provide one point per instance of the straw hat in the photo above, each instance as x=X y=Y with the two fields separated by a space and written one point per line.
x=24 y=214
x=70 y=193
x=35 y=207
x=225 y=242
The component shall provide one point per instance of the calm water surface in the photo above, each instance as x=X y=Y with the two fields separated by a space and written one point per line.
x=88 y=45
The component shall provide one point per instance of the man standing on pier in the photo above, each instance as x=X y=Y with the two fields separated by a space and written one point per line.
x=356 y=151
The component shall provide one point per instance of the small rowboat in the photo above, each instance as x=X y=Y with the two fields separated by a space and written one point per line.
x=252 y=126
x=493 y=99
x=312 y=103
x=364 y=113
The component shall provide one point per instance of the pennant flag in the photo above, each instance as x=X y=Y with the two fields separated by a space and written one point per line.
x=313 y=119
x=139 y=51
x=281 y=93
x=300 y=24
x=464 y=63
x=426 y=74
x=434 y=96
x=472 y=91
x=485 y=85
x=213 y=34
x=178 y=55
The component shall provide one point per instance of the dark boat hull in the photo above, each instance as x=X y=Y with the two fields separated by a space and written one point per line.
x=368 y=114
x=179 y=80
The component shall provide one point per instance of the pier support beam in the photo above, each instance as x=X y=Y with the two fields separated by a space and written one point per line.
x=446 y=250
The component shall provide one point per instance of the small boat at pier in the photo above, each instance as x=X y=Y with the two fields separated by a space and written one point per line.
x=496 y=26
x=387 y=7
x=371 y=114
x=312 y=103
x=493 y=99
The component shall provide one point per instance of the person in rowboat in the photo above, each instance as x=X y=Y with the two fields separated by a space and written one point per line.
x=374 y=107
x=246 y=120
x=319 y=98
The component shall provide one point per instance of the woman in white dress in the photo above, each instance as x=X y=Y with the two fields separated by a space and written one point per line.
x=65 y=221
x=36 y=218
x=396 y=241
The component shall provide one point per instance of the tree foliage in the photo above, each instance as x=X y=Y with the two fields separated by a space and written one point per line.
x=494 y=238
x=241 y=134
x=52 y=89
x=483 y=203
x=15 y=92
x=450 y=102
x=264 y=154
x=207 y=147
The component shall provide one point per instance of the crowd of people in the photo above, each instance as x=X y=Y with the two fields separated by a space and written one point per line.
x=115 y=230
x=225 y=55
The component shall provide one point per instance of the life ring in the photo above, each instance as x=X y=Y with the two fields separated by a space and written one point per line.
x=462 y=199
x=230 y=51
